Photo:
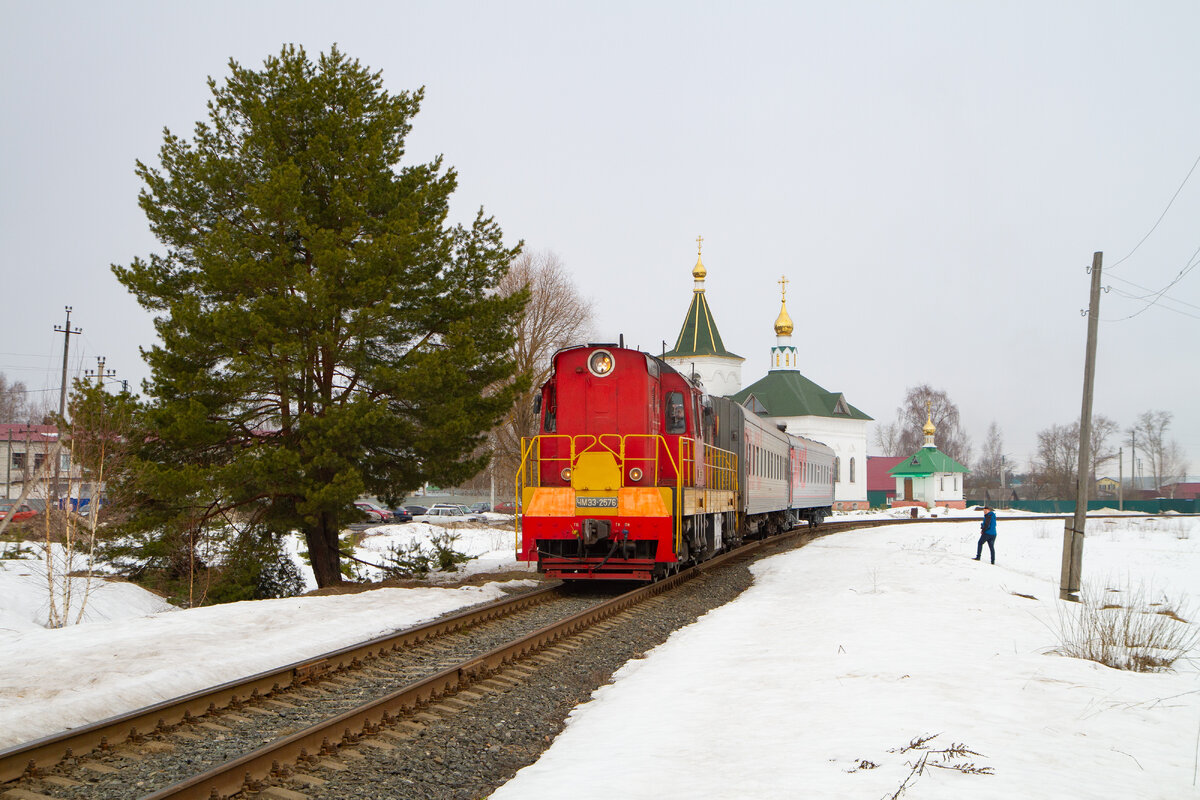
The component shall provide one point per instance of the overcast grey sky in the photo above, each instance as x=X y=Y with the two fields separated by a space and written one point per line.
x=931 y=177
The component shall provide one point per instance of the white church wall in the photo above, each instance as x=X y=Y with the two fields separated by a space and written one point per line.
x=848 y=438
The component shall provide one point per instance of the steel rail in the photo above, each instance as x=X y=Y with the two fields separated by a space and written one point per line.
x=48 y=751
x=324 y=738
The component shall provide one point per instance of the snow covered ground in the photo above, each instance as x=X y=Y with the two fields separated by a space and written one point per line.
x=811 y=684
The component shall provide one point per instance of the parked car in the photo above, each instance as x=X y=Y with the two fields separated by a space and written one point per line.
x=374 y=513
x=481 y=508
x=416 y=511
x=468 y=510
x=18 y=513
x=401 y=514
x=506 y=508
x=447 y=513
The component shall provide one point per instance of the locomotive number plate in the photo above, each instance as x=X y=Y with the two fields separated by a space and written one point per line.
x=595 y=502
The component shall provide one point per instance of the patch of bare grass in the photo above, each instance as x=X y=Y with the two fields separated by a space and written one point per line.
x=1122 y=629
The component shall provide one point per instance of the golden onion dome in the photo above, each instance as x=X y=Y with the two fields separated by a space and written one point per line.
x=929 y=429
x=783 y=323
x=699 y=272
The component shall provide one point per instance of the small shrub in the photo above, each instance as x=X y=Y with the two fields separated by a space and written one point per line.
x=1132 y=634
x=256 y=567
x=405 y=561
x=445 y=555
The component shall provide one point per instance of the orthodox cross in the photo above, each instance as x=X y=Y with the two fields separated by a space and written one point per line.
x=699 y=244
x=783 y=281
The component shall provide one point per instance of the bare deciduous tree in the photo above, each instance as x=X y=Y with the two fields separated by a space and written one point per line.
x=910 y=419
x=14 y=401
x=1056 y=462
x=556 y=316
x=988 y=469
x=1163 y=456
x=1102 y=451
x=886 y=439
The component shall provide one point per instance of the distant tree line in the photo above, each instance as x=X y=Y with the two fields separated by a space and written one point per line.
x=1052 y=471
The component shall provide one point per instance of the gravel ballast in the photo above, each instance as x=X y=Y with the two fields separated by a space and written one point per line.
x=467 y=755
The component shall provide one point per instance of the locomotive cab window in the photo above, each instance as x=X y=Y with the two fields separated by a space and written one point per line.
x=547 y=405
x=676 y=421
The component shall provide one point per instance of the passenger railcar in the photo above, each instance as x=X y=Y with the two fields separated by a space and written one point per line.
x=637 y=472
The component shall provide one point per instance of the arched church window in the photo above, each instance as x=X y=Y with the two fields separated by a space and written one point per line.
x=852 y=470
x=837 y=469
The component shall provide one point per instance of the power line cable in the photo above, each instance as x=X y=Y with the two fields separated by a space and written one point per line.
x=1191 y=264
x=1148 y=293
x=1160 y=216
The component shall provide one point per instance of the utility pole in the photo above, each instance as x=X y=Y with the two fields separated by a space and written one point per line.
x=100 y=373
x=66 y=331
x=1072 y=559
x=1133 y=457
x=1120 y=479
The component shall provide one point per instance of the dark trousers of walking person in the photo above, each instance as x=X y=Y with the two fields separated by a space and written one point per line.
x=990 y=538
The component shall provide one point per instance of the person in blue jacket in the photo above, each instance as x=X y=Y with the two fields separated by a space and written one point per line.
x=987 y=533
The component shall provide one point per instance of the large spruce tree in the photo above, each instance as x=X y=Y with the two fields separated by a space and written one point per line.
x=325 y=332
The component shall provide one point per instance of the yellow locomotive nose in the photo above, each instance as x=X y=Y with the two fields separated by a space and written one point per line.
x=596 y=472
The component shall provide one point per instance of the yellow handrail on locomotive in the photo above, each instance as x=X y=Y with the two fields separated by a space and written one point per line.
x=720 y=466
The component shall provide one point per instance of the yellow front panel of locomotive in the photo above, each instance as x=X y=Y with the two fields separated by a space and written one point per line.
x=635 y=501
x=549 y=501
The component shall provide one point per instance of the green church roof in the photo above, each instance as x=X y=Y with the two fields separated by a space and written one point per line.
x=787 y=393
x=926 y=461
x=699 y=336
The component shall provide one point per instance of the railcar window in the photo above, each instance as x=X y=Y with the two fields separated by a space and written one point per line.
x=675 y=416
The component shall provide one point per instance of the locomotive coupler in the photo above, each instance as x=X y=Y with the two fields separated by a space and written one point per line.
x=594 y=530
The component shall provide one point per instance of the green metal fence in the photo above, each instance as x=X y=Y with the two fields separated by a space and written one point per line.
x=1161 y=505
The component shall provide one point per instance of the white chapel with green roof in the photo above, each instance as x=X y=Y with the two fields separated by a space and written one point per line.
x=783 y=396
x=929 y=478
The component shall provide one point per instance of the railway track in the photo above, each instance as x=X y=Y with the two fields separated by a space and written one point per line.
x=371 y=696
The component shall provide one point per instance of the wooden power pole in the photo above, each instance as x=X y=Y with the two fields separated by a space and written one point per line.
x=1072 y=558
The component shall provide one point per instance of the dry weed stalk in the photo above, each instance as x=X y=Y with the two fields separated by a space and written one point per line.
x=1123 y=630
x=950 y=758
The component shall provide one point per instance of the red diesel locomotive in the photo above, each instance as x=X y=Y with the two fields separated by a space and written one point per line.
x=636 y=472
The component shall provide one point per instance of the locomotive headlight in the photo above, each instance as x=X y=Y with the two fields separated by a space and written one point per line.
x=635 y=474
x=600 y=363
x=566 y=473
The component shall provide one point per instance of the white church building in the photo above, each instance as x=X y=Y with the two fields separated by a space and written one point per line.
x=783 y=396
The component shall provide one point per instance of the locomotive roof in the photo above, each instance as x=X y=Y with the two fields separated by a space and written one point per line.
x=662 y=365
